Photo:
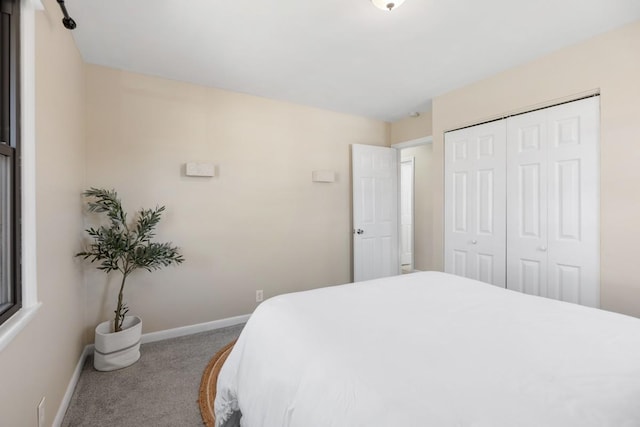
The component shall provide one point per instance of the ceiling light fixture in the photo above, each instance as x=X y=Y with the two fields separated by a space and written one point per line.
x=387 y=4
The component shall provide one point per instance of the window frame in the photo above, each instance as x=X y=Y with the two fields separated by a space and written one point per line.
x=10 y=143
x=30 y=302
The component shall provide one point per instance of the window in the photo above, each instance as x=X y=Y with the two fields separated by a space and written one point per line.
x=10 y=280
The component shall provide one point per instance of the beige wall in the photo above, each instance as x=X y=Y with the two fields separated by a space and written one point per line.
x=411 y=128
x=259 y=224
x=610 y=63
x=40 y=360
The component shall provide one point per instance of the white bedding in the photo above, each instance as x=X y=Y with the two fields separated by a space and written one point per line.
x=431 y=349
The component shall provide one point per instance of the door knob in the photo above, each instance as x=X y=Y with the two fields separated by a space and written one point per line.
x=542 y=248
x=473 y=242
x=358 y=231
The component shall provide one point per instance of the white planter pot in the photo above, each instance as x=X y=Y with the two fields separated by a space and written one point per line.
x=115 y=350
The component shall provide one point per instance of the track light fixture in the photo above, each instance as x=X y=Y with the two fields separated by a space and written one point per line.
x=67 y=21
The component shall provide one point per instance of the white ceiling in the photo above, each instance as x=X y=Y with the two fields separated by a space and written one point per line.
x=341 y=55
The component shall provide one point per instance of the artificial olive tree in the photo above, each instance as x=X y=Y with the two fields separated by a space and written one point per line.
x=125 y=247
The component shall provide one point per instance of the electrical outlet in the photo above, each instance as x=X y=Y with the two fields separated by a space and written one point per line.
x=259 y=296
x=41 y=413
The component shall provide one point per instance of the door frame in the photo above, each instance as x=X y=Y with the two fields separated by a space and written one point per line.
x=399 y=147
x=412 y=161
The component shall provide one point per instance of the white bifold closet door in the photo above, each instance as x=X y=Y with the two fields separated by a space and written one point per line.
x=553 y=202
x=528 y=218
x=475 y=202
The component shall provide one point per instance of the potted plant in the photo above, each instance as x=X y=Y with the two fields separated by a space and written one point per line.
x=123 y=247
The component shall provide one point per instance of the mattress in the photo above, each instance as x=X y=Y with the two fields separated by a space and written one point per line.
x=431 y=349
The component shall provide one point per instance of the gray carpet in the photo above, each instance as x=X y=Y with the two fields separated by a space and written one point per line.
x=161 y=389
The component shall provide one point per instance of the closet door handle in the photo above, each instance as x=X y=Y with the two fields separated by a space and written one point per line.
x=473 y=242
x=542 y=248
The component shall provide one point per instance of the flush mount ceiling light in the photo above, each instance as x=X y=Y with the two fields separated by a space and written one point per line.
x=387 y=4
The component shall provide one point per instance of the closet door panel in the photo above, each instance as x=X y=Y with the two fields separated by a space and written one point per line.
x=527 y=203
x=553 y=202
x=459 y=263
x=574 y=202
x=530 y=273
x=475 y=202
x=459 y=178
x=460 y=202
x=529 y=186
x=490 y=205
x=486 y=201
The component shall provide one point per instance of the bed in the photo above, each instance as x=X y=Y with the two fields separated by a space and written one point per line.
x=430 y=349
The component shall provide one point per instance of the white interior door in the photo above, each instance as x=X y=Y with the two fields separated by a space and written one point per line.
x=406 y=212
x=553 y=246
x=375 y=212
x=475 y=223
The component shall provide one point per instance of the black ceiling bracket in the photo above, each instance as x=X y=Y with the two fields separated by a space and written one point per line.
x=67 y=21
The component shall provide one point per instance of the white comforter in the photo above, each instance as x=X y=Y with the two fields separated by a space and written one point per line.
x=431 y=349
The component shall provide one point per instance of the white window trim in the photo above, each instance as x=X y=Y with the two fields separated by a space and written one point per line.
x=30 y=304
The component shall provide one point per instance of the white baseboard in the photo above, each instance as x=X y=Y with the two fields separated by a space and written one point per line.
x=66 y=399
x=194 y=329
x=146 y=338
